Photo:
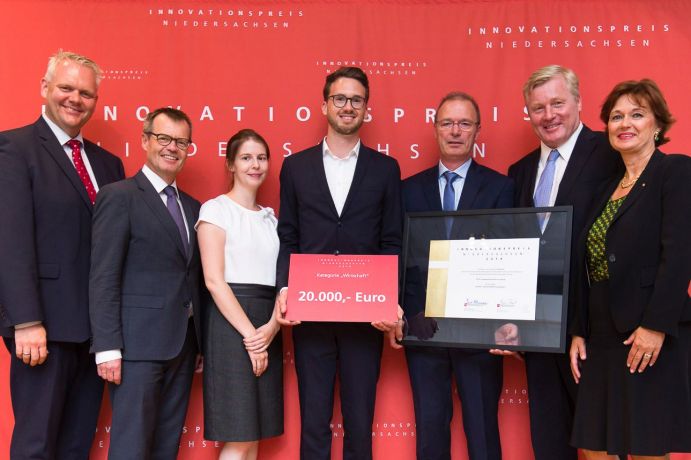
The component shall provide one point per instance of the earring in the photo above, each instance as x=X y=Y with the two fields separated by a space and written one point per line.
x=657 y=135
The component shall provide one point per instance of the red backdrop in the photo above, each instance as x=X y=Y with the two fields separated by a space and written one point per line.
x=262 y=65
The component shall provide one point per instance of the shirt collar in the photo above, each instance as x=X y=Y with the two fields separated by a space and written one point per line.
x=565 y=149
x=461 y=170
x=156 y=180
x=353 y=153
x=61 y=135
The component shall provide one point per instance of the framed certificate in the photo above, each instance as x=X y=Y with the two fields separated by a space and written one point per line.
x=487 y=278
x=343 y=288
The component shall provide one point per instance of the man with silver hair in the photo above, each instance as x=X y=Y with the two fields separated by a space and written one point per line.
x=568 y=168
x=50 y=177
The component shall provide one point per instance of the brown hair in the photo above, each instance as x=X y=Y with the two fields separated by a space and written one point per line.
x=644 y=91
x=355 y=73
x=239 y=138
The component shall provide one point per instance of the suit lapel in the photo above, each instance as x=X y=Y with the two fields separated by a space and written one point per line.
x=584 y=148
x=191 y=219
x=363 y=159
x=431 y=189
x=98 y=167
x=471 y=187
x=155 y=203
x=639 y=187
x=317 y=163
x=531 y=179
x=56 y=151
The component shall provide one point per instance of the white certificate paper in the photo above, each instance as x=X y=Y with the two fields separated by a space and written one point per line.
x=486 y=279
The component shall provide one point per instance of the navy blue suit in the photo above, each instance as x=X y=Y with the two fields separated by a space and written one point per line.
x=478 y=373
x=45 y=241
x=370 y=223
x=550 y=384
x=142 y=287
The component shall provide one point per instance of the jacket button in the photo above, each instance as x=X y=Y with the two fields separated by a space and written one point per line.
x=340 y=224
x=336 y=252
x=612 y=258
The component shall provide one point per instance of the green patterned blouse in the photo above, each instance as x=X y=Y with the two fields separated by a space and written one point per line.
x=597 y=261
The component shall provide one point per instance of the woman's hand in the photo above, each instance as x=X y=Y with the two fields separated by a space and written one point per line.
x=263 y=336
x=260 y=361
x=645 y=348
x=576 y=355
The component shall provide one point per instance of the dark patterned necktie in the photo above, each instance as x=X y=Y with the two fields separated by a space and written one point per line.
x=176 y=213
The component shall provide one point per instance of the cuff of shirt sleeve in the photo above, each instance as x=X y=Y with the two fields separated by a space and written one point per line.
x=24 y=325
x=108 y=355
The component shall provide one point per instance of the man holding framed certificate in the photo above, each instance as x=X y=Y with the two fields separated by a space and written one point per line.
x=455 y=183
x=338 y=198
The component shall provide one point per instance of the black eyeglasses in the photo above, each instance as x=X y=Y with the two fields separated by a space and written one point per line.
x=164 y=139
x=340 y=101
x=464 y=125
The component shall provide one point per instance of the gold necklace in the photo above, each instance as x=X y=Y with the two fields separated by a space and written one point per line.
x=624 y=184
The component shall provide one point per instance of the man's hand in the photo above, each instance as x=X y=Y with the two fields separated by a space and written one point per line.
x=422 y=327
x=394 y=330
x=281 y=307
x=111 y=371
x=31 y=345
x=507 y=334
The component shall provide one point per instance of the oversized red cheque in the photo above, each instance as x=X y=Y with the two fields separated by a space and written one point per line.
x=347 y=288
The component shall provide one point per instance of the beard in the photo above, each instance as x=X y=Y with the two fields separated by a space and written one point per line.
x=345 y=130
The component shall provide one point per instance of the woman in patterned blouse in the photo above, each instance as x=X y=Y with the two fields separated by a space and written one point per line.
x=631 y=347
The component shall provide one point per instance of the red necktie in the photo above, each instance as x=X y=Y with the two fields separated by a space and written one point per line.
x=81 y=169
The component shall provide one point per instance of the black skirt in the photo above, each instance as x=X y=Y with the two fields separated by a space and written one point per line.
x=623 y=413
x=238 y=406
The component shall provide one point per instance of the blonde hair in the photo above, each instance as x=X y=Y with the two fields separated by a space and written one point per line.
x=61 y=55
x=544 y=74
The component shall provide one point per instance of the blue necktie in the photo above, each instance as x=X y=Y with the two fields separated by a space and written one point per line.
x=449 y=202
x=544 y=186
x=176 y=214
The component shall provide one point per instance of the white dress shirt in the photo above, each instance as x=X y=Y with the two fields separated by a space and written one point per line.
x=339 y=173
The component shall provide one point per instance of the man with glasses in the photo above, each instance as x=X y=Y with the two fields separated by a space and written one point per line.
x=455 y=183
x=49 y=177
x=338 y=197
x=144 y=294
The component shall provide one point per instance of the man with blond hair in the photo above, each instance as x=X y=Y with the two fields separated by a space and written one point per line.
x=568 y=168
x=50 y=177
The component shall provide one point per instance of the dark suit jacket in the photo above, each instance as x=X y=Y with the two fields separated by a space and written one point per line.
x=142 y=283
x=308 y=223
x=592 y=164
x=483 y=189
x=45 y=234
x=648 y=249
